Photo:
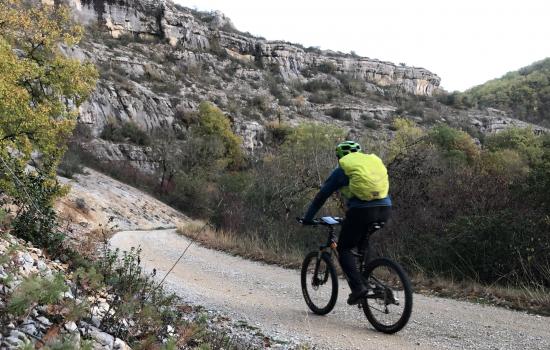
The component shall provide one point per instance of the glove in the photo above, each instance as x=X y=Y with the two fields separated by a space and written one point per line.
x=305 y=222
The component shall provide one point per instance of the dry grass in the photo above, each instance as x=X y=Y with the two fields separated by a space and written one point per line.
x=250 y=247
x=527 y=298
x=531 y=299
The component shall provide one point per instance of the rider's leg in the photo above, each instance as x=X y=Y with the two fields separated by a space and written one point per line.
x=349 y=238
x=353 y=230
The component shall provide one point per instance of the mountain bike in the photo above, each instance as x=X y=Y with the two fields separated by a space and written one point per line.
x=388 y=303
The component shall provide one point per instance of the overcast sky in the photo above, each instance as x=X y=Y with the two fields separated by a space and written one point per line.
x=465 y=42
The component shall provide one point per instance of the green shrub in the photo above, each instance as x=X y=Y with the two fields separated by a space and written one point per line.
x=125 y=131
x=259 y=205
x=36 y=220
x=279 y=132
x=327 y=67
x=372 y=124
x=317 y=85
x=523 y=141
x=352 y=85
x=166 y=87
x=498 y=246
x=212 y=122
x=152 y=73
x=138 y=298
x=260 y=102
x=455 y=142
x=35 y=291
x=340 y=114
x=70 y=165
x=323 y=97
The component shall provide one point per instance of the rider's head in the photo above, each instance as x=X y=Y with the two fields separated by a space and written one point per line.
x=347 y=147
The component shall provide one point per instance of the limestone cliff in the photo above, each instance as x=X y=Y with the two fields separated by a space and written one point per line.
x=158 y=61
x=183 y=30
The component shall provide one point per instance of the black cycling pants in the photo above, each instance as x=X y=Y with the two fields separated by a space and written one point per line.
x=353 y=230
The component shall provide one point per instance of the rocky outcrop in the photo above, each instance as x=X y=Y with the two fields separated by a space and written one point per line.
x=60 y=323
x=44 y=324
x=133 y=102
x=493 y=120
x=181 y=28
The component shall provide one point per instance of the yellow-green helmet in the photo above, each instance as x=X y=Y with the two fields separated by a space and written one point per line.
x=347 y=147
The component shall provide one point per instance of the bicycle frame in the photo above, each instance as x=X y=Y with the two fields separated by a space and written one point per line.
x=386 y=281
x=331 y=248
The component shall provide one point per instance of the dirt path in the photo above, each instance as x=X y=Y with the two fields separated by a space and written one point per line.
x=269 y=297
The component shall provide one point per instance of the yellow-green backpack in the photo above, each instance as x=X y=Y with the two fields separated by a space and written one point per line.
x=368 y=177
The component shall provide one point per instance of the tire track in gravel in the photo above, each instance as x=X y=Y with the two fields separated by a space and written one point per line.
x=269 y=297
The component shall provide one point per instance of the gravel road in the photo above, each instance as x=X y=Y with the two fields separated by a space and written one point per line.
x=269 y=297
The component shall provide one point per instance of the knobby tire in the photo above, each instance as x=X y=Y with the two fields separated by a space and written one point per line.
x=310 y=261
x=407 y=290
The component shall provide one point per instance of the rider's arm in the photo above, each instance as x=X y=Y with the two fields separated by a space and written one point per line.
x=336 y=180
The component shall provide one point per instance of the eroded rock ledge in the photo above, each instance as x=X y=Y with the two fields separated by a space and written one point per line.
x=181 y=27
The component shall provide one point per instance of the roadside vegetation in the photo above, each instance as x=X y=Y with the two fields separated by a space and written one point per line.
x=40 y=90
x=468 y=221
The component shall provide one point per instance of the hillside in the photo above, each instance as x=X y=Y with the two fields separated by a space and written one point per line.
x=158 y=61
x=524 y=93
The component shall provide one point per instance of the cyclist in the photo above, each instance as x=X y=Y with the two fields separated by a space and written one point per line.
x=363 y=180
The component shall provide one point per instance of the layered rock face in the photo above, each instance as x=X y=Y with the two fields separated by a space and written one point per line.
x=182 y=29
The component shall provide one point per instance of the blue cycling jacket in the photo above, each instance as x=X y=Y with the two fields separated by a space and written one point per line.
x=334 y=182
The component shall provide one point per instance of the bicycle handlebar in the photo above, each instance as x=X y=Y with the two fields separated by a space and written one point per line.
x=323 y=221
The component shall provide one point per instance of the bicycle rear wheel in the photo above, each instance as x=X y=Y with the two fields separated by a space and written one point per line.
x=388 y=304
x=319 y=283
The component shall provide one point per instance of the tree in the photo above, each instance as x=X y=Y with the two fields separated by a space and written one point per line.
x=214 y=124
x=40 y=90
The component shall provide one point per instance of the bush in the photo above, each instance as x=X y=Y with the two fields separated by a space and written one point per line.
x=481 y=219
x=279 y=132
x=138 y=297
x=498 y=246
x=523 y=141
x=323 y=97
x=340 y=114
x=327 y=67
x=454 y=142
x=371 y=124
x=260 y=102
x=36 y=220
x=166 y=87
x=153 y=74
x=212 y=122
x=352 y=85
x=70 y=165
x=34 y=291
x=260 y=203
x=317 y=85
x=125 y=131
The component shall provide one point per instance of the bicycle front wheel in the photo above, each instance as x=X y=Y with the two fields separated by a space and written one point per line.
x=319 y=283
x=388 y=305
